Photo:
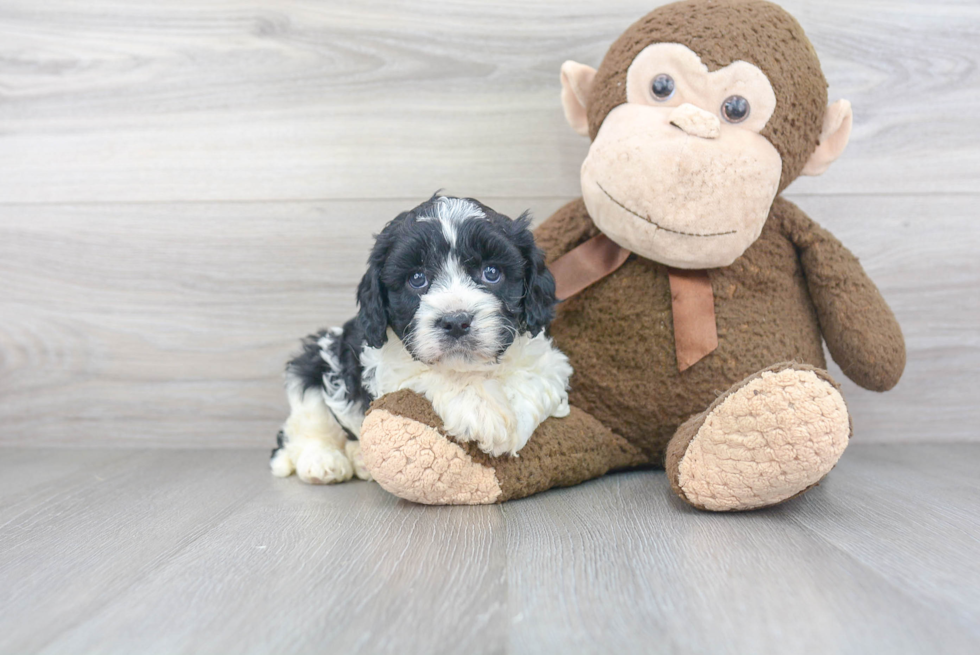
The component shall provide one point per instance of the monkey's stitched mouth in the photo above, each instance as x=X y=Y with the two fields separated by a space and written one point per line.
x=661 y=227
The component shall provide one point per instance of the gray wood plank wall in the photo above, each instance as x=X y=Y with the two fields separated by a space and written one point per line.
x=185 y=189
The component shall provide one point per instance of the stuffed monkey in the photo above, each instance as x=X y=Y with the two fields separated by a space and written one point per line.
x=696 y=299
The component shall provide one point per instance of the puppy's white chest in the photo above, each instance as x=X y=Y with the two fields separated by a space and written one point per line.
x=498 y=406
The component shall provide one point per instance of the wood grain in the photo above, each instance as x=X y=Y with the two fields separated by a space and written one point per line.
x=111 y=524
x=116 y=100
x=349 y=569
x=168 y=325
x=194 y=551
x=619 y=565
x=874 y=525
x=204 y=551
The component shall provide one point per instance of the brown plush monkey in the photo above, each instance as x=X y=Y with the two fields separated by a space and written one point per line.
x=697 y=298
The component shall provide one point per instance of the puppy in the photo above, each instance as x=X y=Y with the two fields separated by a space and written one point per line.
x=454 y=306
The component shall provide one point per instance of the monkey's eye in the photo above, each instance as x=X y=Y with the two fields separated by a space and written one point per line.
x=735 y=109
x=492 y=275
x=662 y=86
x=418 y=281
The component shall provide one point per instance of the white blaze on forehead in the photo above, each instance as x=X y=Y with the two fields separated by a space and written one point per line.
x=453 y=289
x=450 y=212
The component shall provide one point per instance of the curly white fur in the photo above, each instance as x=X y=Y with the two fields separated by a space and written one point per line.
x=498 y=404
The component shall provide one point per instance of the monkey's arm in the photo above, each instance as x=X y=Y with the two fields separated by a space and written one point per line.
x=565 y=229
x=860 y=329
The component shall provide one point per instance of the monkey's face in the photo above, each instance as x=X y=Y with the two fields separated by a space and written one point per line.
x=679 y=173
x=701 y=112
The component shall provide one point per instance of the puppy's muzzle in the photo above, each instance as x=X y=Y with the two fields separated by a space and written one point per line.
x=455 y=325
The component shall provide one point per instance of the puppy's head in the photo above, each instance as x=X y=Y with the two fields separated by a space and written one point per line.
x=456 y=281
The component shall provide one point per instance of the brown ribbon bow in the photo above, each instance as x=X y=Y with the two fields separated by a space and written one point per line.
x=692 y=301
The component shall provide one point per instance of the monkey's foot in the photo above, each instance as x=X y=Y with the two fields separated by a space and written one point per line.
x=407 y=451
x=769 y=438
x=410 y=457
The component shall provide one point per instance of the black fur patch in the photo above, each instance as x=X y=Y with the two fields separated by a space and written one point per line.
x=348 y=353
x=281 y=440
x=309 y=367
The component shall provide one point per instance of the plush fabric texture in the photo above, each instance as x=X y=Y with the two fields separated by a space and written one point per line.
x=681 y=200
x=768 y=439
x=862 y=333
x=694 y=99
x=696 y=121
x=622 y=350
x=562 y=452
x=417 y=462
x=834 y=136
x=757 y=32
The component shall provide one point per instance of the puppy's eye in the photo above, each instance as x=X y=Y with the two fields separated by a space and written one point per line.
x=662 y=86
x=735 y=109
x=418 y=281
x=492 y=275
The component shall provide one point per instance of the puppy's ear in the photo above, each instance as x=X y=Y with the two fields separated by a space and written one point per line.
x=372 y=300
x=371 y=313
x=539 y=285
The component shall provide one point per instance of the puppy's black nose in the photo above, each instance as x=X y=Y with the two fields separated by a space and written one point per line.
x=456 y=324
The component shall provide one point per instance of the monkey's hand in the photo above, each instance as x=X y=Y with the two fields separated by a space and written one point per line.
x=860 y=329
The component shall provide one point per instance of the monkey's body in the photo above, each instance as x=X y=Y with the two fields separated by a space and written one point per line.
x=700 y=115
x=626 y=372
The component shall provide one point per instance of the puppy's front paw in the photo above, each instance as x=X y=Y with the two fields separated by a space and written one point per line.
x=323 y=466
x=353 y=450
x=281 y=464
x=491 y=429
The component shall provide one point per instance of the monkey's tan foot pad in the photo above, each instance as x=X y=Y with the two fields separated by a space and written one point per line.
x=415 y=461
x=769 y=438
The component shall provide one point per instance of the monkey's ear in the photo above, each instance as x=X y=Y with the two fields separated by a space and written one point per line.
x=576 y=84
x=836 y=132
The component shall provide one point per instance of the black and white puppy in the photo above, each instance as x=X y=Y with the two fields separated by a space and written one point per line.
x=454 y=306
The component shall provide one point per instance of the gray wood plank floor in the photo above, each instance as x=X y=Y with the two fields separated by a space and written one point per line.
x=125 y=551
